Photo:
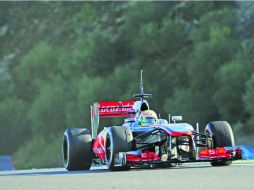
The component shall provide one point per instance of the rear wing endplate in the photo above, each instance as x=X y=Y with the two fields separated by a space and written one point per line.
x=109 y=110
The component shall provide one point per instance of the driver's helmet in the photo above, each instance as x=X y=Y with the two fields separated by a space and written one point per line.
x=148 y=117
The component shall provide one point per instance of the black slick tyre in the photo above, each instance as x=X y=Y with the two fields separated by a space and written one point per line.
x=118 y=139
x=222 y=136
x=77 y=149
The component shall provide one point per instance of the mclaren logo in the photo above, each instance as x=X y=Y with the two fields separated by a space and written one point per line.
x=97 y=150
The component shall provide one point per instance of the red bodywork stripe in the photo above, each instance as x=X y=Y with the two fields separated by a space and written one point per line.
x=220 y=152
x=98 y=147
x=178 y=134
x=146 y=156
x=174 y=133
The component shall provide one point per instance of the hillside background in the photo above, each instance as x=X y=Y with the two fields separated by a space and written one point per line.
x=56 y=58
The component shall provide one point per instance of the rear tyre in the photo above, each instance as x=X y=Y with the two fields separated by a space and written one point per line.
x=222 y=135
x=77 y=149
x=118 y=139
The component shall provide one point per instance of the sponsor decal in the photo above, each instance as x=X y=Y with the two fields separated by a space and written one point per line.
x=115 y=107
x=97 y=150
x=105 y=109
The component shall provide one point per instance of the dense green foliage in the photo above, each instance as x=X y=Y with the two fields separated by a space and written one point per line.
x=57 y=58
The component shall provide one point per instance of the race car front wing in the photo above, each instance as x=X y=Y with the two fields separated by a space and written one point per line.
x=205 y=155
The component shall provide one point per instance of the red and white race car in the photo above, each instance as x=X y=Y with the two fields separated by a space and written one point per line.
x=158 y=143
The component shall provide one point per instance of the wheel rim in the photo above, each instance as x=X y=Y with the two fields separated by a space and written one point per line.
x=109 y=151
x=108 y=148
x=65 y=151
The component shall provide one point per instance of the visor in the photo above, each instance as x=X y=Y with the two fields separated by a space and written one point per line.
x=148 y=121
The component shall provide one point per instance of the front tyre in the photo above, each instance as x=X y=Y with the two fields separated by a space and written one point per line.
x=223 y=136
x=118 y=139
x=77 y=149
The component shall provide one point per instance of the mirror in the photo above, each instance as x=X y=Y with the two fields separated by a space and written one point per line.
x=176 y=118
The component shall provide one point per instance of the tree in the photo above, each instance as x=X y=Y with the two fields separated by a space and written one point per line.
x=15 y=128
x=38 y=65
x=209 y=54
x=48 y=111
x=230 y=82
x=248 y=99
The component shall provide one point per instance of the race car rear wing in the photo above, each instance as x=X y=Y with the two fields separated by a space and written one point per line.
x=109 y=110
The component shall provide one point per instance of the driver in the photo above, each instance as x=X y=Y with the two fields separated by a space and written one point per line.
x=148 y=117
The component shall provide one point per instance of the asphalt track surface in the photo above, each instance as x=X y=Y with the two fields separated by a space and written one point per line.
x=189 y=176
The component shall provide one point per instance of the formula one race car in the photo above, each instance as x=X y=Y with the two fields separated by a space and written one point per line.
x=143 y=139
